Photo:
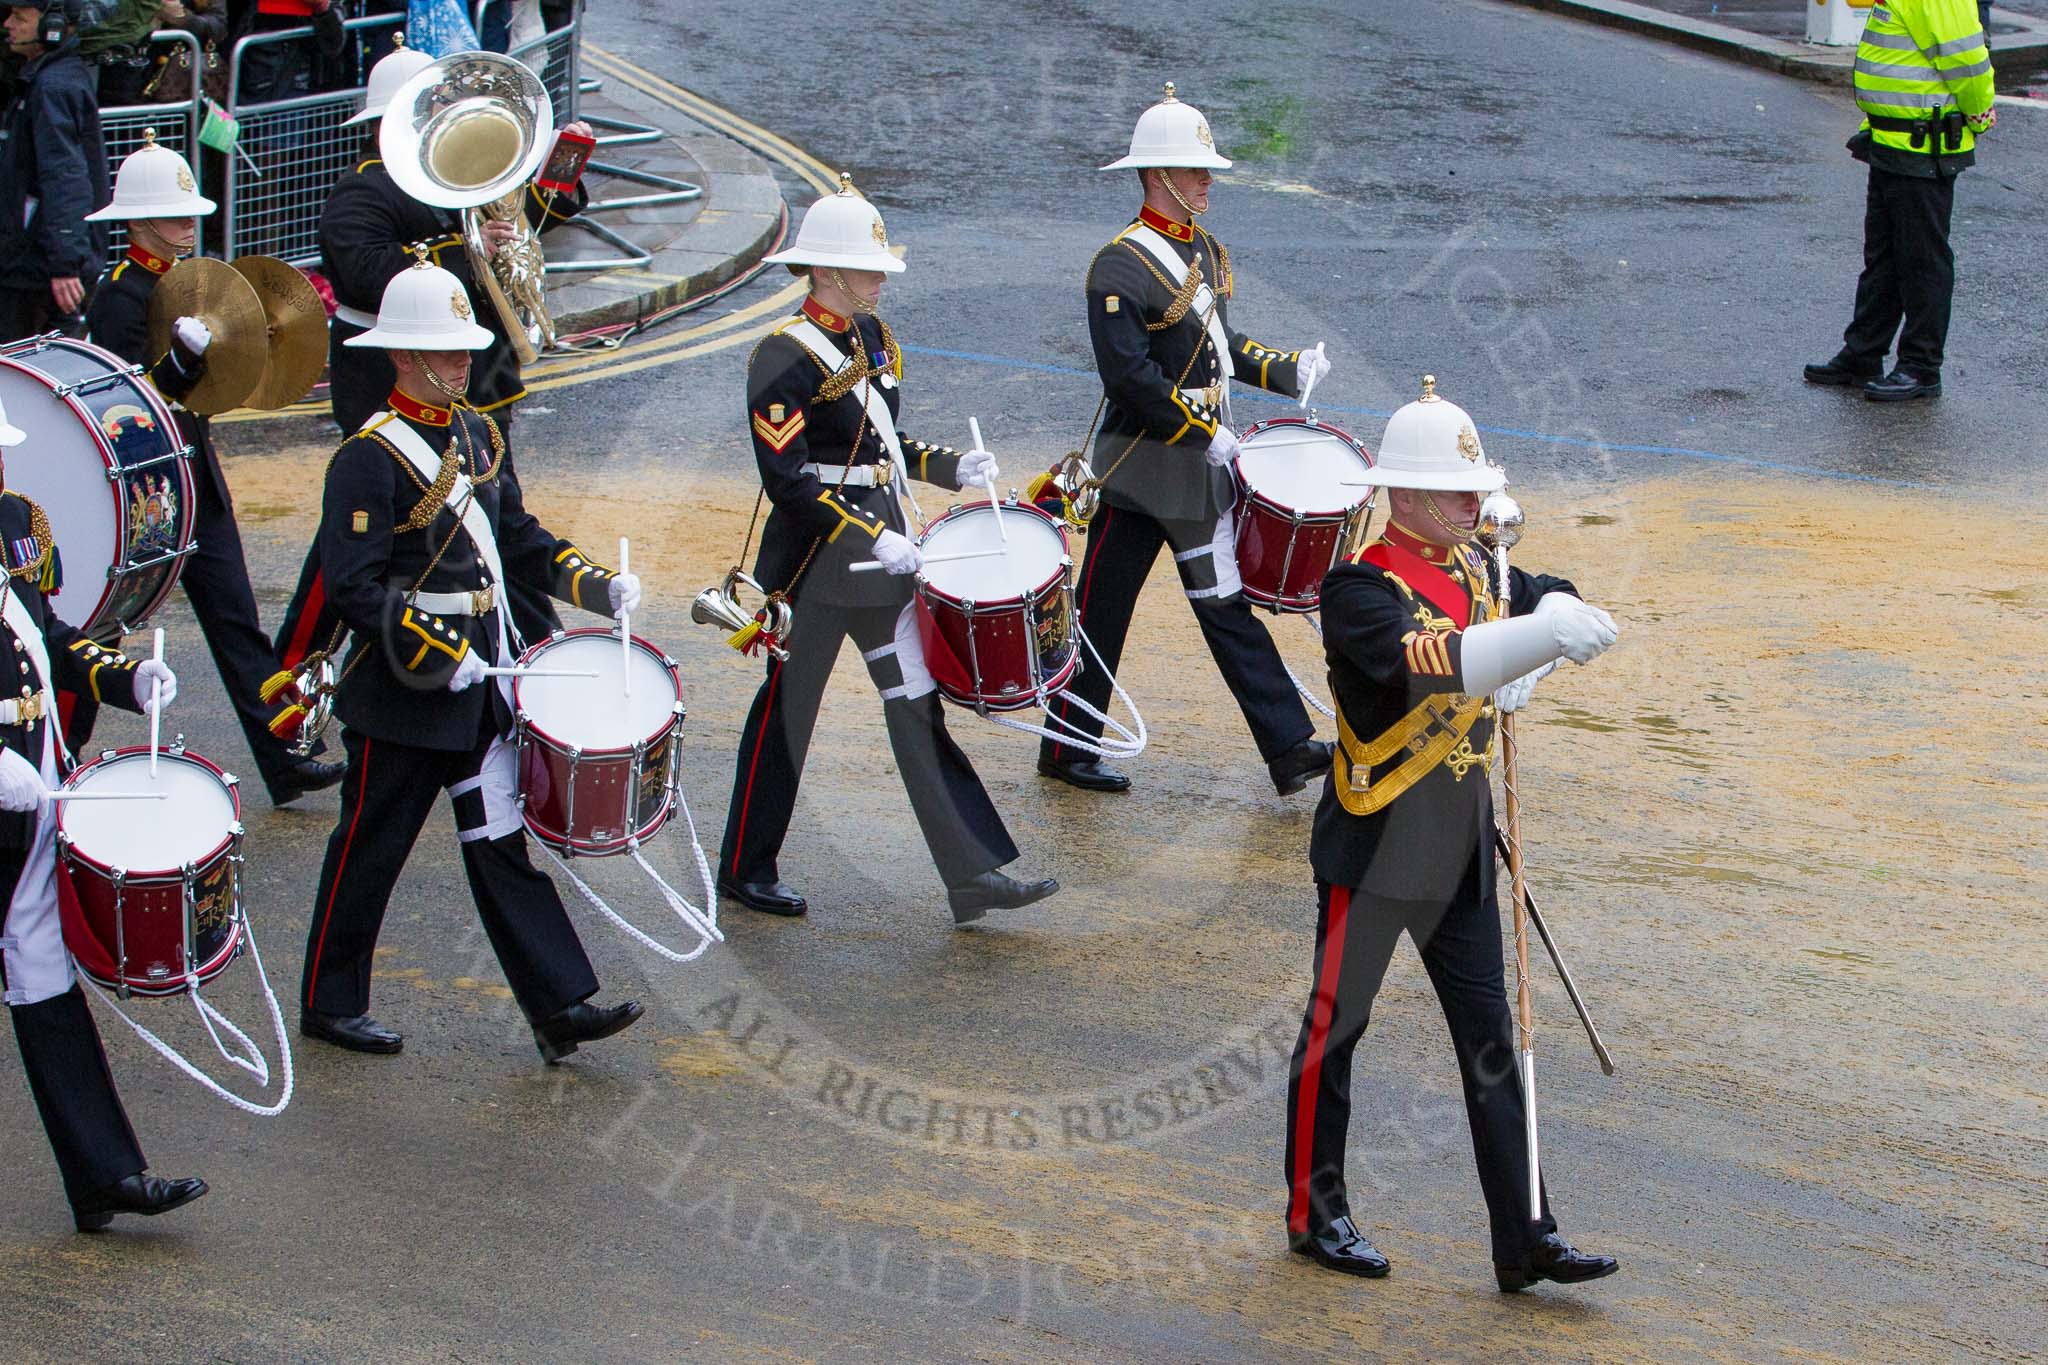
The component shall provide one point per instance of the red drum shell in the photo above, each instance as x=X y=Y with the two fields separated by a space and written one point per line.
x=1008 y=653
x=169 y=941
x=595 y=802
x=1283 y=552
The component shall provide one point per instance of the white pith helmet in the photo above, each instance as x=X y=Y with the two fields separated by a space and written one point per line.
x=424 y=309
x=10 y=435
x=392 y=70
x=153 y=182
x=1433 y=444
x=842 y=230
x=1172 y=134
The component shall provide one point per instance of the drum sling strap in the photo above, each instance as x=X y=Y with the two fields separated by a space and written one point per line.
x=808 y=335
x=1204 y=304
x=461 y=500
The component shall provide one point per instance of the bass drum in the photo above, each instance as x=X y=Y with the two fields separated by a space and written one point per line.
x=106 y=461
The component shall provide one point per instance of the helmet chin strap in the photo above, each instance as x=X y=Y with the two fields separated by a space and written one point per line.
x=441 y=386
x=1166 y=179
x=1436 y=515
x=860 y=305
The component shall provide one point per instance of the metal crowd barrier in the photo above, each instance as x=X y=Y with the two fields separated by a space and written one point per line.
x=176 y=124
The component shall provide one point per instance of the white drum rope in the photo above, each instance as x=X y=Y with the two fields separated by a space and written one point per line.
x=1311 y=698
x=208 y=1015
x=1128 y=743
x=703 y=923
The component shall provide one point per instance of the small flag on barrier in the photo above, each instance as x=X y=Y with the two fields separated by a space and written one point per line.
x=219 y=131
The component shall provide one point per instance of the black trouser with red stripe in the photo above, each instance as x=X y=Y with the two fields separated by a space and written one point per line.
x=1122 y=546
x=385 y=799
x=961 y=827
x=69 y=1077
x=1460 y=945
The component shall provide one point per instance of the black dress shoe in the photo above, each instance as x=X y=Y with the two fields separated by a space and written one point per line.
x=994 y=891
x=770 y=898
x=306 y=775
x=1902 y=384
x=1841 y=372
x=1553 y=1258
x=1089 y=774
x=1340 y=1246
x=357 y=1033
x=141 y=1193
x=1292 y=770
x=561 y=1034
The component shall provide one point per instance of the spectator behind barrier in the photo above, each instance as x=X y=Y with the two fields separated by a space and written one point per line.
x=282 y=71
x=53 y=171
x=132 y=70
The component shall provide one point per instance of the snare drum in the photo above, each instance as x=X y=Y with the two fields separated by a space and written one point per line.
x=105 y=460
x=1296 y=477
x=151 y=890
x=597 y=767
x=998 y=632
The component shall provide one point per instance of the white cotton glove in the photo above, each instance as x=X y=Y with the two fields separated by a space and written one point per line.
x=1513 y=696
x=1311 y=369
x=193 y=334
x=896 y=554
x=468 y=673
x=625 y=590
x=978 y=470
x=1224 y=447
x=1582 y=631
x=151 y=670
x=21 y=785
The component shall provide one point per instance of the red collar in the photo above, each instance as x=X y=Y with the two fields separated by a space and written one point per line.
x=1443 y=556
x=1399 y=555
x=824 y=316
x=426 y=414
x=1159 y=222
x=155 y=265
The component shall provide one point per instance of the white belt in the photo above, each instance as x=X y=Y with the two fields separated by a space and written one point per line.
x=478 y=603
x=860 y=476
x=25 y=710
x=355 y=317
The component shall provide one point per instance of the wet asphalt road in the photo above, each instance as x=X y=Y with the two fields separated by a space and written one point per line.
x=864 y=1136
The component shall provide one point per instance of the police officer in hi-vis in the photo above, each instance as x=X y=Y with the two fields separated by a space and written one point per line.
x=1423 y=654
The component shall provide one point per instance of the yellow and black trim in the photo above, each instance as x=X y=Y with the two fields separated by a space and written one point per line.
x=572 y=569
x=867 y=523
x=1266 y=355
x=1427 y=654
x=97 y=657
x=1192 y=419
x=433 y=634
x=544 y=200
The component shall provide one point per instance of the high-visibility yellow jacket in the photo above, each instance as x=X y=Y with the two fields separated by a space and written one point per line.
x=1920 y=58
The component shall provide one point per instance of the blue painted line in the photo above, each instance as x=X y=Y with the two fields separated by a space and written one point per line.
x=1674 y=452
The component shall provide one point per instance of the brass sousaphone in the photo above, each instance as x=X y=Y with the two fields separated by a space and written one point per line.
x=469 y=133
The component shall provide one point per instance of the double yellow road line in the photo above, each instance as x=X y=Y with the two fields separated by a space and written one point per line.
x=733 y=329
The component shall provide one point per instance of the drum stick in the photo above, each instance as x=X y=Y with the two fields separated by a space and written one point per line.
x=870 y=565
x=108 y=796
x=994 y=504
x=625 y=629
x=1309 y=387
x=156 y=703
x=516 y=672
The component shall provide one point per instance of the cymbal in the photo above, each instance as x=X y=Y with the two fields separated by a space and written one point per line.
x=298 y=331
x=211 y=291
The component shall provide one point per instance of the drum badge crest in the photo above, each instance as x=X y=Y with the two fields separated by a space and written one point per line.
x=152 y=516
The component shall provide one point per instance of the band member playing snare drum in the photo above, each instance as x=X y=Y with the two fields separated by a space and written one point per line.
x=103 y=1167
x=822 y=397
x=422 y=524
x=155 y=195
x=1157 y=314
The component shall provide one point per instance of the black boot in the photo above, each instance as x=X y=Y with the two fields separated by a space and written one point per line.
x=141 y=1193
x=770 y=898
x=1292 y=770
x=1553 y=1258
x=1841 y=372
x=306 y=775
x=357 y=1033
x=561 y=1034
x=1340 y=1246
x=1089 y=774
x=1902 y=384
x=977 y=896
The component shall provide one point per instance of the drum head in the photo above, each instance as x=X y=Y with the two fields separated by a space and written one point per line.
x=1303 y=468
x=148 y=837
x=596 y=713
x=1031 y=556
x=60 y=466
